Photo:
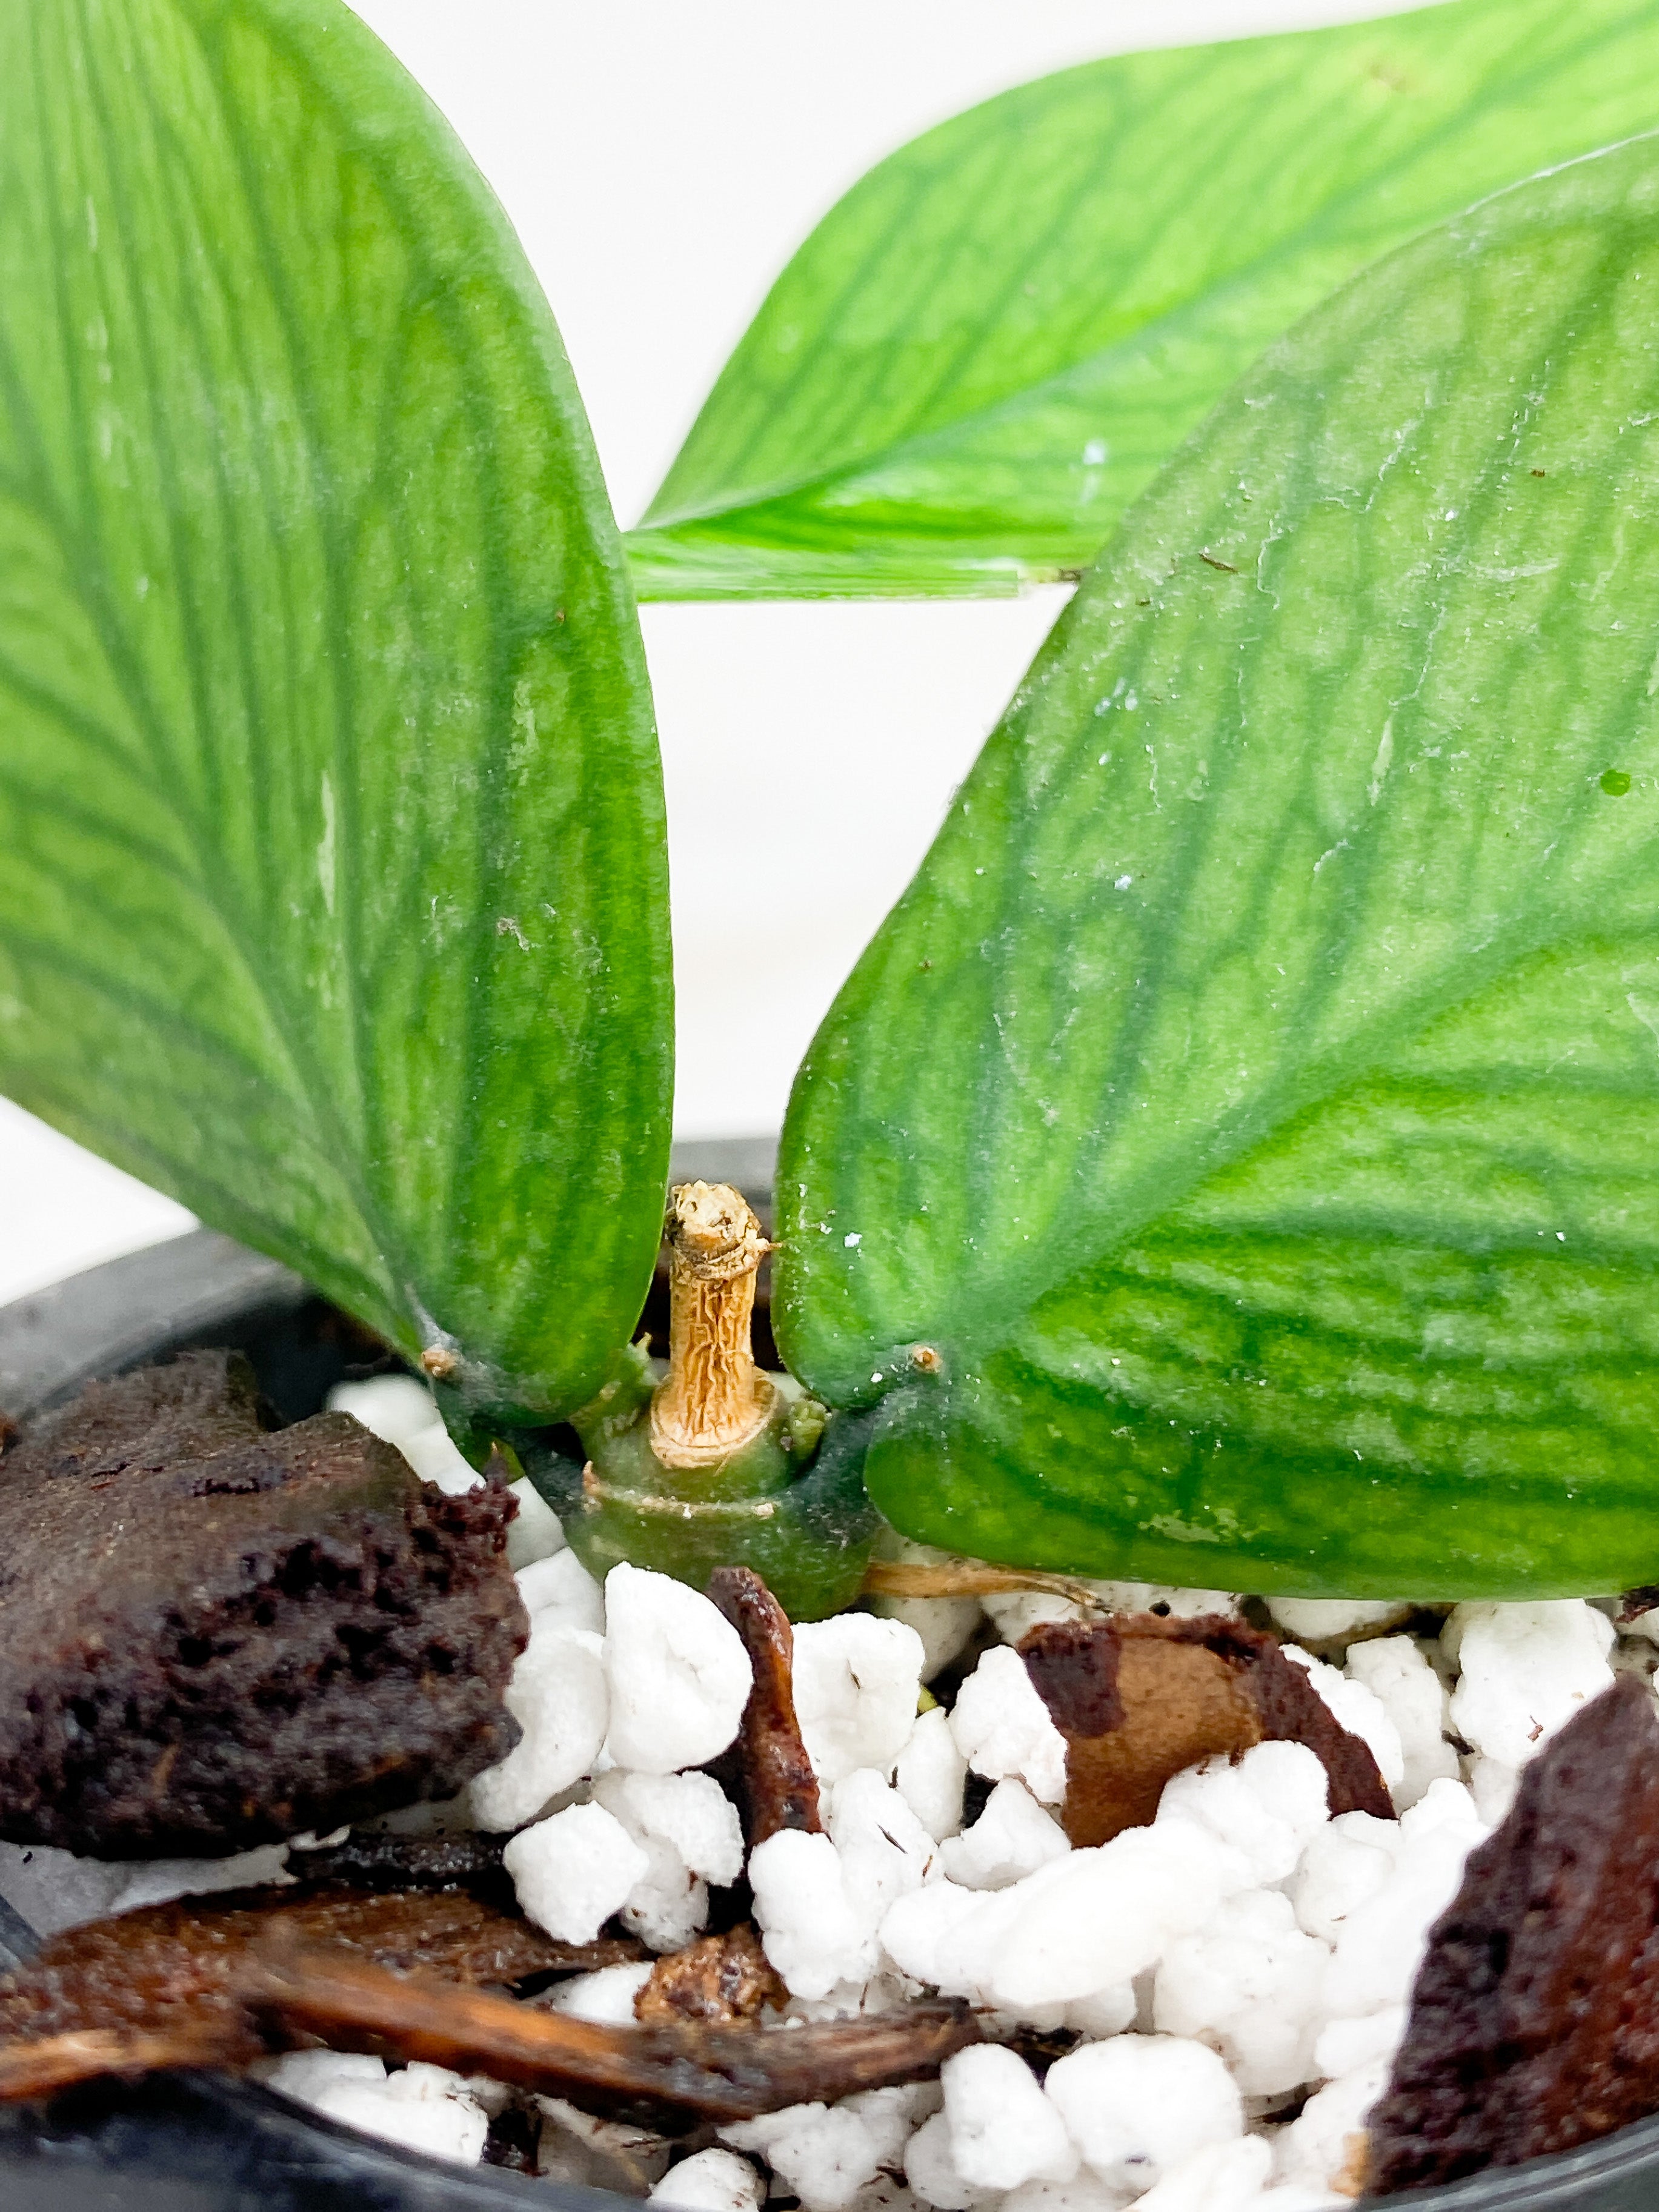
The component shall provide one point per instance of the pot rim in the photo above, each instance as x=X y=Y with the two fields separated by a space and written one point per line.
x=185 y=1292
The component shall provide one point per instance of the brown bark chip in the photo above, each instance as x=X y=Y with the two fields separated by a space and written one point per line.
x=727 y=1978
x=669 y=2077
x=177 y=1971
x=1534 y=2019
x=212 y=1637
x=181 y=1410
x=773 y=1777
x=1138 y=1698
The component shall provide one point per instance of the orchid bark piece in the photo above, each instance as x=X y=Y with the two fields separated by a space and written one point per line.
x=772 y=1776
x=1138 y=1698
x=709 y=1462
x=669 y=2077
x=1534 y=2016
x=169 y=1985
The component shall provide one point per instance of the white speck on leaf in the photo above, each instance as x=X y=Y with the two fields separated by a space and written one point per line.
x=1384 y=762
x=523 y=748
x=852 y=1238
x=1122 y=883
x=507 y=925
x=325 y=846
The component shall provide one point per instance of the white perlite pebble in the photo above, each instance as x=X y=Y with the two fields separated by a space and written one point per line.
x=303 y=2074
x=711 y=2181
x=1315 y=2149
x=1525 y=1670
x=424 y=2108
x=1327 y=1620
x=561 y=1590
x=946 y=1936
x=1002 y=1728
x=534 y=1532
x=642 y=2155
x=1107 y=2012
x=1249 y=1983
x=1379 y=1942
x=1015 y=1611
x=1004 y=2130
x=1493 y=1785
x=690 y=1812
x=826 y=2153
x=1011 y=1837
x=1345 y=2045
x=572 y=1872
x=1355 y=1708
x=1397 y=1672
x=1343 y=1866
x=856 y=1682
x=437 y=1459
x=557 y=1695
x=944 y=1624
x=691 y=1834
x=931 y=1774
x=811 y=1929
x=606 y=1996
x=931 y=2169
x=394 y=1407
x=885 y=1853
x=1083 y=1925
x=1214 y=2179
x=1083 y=2193
x=1013 y=1614
x=679 y=1674
x=1138 y=2106
x=1256 y=1815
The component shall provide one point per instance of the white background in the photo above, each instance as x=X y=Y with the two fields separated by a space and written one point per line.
x=661 y=159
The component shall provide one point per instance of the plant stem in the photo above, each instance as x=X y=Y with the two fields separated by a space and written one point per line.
x=714 y=1398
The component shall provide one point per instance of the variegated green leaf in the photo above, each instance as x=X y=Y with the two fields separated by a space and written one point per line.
x=1255 y=1100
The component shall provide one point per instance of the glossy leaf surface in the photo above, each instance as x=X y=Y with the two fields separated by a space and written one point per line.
x=1255 y=1099
x=986 y=351
x=333 y=900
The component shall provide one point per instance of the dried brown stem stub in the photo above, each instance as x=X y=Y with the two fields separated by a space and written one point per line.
x=713 y=1399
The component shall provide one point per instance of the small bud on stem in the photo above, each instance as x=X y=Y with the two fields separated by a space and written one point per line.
x=714 y=1398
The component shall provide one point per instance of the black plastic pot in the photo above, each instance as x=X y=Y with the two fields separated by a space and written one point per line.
x=205 y=2142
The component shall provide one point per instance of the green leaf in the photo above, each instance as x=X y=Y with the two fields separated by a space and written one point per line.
x=1255 y=1100
x=333 y=900
x=986 y=350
